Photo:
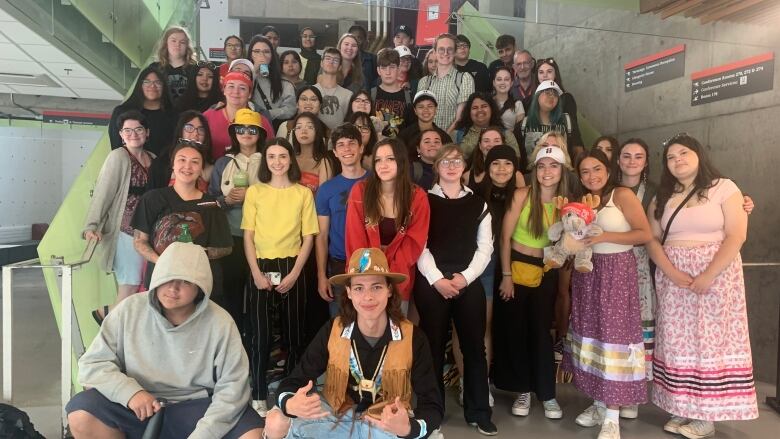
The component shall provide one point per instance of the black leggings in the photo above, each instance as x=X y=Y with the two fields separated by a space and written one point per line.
x=522 y=345
x=468 y=312
x=261 y=306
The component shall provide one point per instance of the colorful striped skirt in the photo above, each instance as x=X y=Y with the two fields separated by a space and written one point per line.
x=604 y=348
x=703 y=367
x=646 y=306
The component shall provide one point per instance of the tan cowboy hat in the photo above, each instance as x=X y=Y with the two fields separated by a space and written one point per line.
x=367 y=262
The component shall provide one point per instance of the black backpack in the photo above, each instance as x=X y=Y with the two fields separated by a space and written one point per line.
x=15 y=424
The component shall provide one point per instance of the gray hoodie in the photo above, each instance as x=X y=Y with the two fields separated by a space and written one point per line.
x=137 y=349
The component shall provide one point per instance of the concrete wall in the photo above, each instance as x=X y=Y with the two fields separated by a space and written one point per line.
x=41 y=164
x=592 y=45
x=300 y=9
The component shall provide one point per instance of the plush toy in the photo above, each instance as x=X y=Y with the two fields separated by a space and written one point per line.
x=576 y=224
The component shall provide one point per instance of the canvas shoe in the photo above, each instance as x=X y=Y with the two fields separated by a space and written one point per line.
x=609 y=430
x=552 y=410
x=592 y=416
x=522 y=405
x=629 y=411
x=260 y=407
x=673 y=425
x=698 y=429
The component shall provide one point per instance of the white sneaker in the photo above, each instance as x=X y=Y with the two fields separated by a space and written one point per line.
x=552 y=410
x=698 y=429
x=673 y=425
x=609 y=430
x=592 y=416
x=629 y=411
x=260 y=407
x=522 y=405
x=436 y=434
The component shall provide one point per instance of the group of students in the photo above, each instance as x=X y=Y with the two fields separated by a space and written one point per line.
x=446 y=191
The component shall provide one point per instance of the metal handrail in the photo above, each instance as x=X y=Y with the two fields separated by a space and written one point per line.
x=68 y=329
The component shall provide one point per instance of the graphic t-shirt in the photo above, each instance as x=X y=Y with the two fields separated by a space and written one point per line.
x=395 y=110
x=161 y=214
x=178 y=78
x=331 y=201
x=335 y=102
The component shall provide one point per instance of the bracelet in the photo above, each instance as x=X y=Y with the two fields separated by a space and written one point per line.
x=506 y=273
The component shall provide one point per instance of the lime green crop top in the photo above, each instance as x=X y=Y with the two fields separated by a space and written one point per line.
x=523 y=236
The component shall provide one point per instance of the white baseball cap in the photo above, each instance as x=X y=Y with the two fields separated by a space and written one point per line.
x=403 y=51
x=552 y=152
x=424 y=94
x=545 y=85
x=245 y=62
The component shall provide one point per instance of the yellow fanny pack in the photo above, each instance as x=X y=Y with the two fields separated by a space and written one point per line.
x=525 y=274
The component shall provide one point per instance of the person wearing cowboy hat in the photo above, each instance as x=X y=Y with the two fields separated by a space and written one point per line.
x=374 y=361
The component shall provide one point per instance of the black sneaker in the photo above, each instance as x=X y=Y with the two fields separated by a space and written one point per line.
x=485 y=427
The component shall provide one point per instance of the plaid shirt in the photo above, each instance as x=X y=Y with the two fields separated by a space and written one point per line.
x=448 y=97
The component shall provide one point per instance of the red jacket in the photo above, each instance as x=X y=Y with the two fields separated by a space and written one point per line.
x=406 y=247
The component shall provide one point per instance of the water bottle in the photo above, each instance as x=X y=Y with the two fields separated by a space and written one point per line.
x=185 y=235
x=264 y=72
x=154 y=426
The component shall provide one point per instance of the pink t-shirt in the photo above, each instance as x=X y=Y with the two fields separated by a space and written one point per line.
x=220 y=137
x=704 y=222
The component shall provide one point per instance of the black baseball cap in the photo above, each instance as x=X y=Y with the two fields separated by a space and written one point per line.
x=404 y=29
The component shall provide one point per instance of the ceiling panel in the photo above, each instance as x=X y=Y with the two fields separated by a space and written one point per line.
x=87 y=83
x=22 y=51
x=46 y=54
x=9 y=52
x=21 y=34
x=69 y=70
x=98 y=94
x=21 y=67
x=44 y=91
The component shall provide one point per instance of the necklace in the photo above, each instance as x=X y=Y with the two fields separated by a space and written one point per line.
x=370 y=386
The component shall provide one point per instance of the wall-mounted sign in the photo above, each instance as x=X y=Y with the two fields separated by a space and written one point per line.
x=432 y=20
x=75 y=118
x=217 y=53
x=740 y=78
x=656 y=68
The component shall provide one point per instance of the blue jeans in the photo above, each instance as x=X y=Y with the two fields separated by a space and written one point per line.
x=330 y=426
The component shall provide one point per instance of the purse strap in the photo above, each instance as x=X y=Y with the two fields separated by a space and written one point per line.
x=674 y=214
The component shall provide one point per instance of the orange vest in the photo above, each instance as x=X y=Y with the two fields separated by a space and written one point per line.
x=396 y=374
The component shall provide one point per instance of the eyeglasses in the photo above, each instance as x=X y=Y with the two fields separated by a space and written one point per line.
x=331 y=59
x=451 y=163
x=247 y=129
x=550 y=92
x=189 y=142
x=363 y=128
x=361 y=101
x=445 y=50
x=129 y=131
x=462 y=46
x=265 y=52
x=232 y=46
x=309 y=37
x=152 y=83
x=189 y=128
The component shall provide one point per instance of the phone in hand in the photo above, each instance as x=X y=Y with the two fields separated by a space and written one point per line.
x=274 y=276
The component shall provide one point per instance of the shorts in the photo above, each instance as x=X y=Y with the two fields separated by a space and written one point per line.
x=488 y=277
x=179 y=420
x=128 y=263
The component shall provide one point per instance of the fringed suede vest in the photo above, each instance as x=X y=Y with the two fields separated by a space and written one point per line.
x=396 y=375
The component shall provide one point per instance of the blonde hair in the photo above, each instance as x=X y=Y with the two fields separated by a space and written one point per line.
x=446 y=150
x=162 y=47
x=543 y=140
x=357 y=62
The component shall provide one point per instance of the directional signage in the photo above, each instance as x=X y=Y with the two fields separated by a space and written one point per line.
x=740 y=78
x=655 y=68
x=75 y=118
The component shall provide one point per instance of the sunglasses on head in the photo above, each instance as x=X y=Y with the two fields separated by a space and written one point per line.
x=189 y=142
x=208 y=64
x=247 y=129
